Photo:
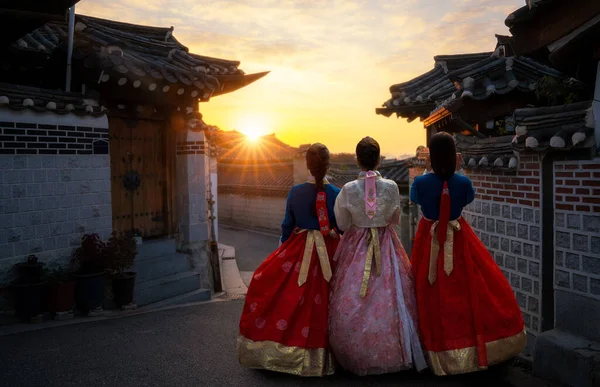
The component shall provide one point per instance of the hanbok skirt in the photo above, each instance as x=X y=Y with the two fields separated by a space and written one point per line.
x=283 y=326
x=377 y=333
x=469 y=318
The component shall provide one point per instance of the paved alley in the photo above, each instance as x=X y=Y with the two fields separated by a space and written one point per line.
x=188 y=346
x=251 y=248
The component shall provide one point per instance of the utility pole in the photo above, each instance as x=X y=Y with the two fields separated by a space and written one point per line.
x=70 y=47
x=214 y=244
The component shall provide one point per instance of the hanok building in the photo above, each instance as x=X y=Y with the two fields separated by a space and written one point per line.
x=526 y=119
x=126 y=151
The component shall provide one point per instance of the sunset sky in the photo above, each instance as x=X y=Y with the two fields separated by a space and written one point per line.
x=331 y=61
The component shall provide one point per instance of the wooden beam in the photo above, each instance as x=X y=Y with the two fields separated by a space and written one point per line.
x=467 y=127
x=551 y=23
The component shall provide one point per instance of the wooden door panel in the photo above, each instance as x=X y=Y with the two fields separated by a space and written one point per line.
x=120 y=147
x=139 y=149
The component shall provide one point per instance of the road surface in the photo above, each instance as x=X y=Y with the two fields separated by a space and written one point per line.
x=251 y=248
x=187 y=346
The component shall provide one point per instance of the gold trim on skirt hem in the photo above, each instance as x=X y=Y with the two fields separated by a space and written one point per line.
x=464 y=360
x=272 y=356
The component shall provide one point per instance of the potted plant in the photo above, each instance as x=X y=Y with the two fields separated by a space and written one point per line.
x=28 y=289
x=60 y=291
x=30 y=271
x=89 y=265
x=121 y=250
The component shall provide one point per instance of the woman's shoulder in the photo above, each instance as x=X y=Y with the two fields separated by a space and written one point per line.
x=300 y=188
x=422 y=178
x=350 y=185
x=332 y=188
x=387 y=183
x=461 y=179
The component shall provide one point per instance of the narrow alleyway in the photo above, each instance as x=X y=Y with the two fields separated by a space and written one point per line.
x=189 y=346
x=251 y=248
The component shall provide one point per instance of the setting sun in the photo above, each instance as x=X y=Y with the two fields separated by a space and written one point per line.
x=253 y=127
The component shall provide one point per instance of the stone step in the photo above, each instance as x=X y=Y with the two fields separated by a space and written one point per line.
x=185 y=298
x=166 y=287
x=154 y=249
x=162 y=266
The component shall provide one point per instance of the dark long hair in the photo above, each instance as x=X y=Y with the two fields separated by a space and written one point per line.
x=317 y=162
x=368 y=153
x=442 y=153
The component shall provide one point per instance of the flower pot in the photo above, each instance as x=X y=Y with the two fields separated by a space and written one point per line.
x=60 y=296
x=29 y=273
x=29 y=300
x=89 y=291
x=123 y=286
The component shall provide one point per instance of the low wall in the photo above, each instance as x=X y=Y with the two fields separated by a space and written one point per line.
x=261 y=212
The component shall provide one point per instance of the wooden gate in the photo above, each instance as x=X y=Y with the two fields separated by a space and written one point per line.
x=138 y=176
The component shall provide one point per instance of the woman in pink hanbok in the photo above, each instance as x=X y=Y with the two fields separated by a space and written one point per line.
x=372 y=313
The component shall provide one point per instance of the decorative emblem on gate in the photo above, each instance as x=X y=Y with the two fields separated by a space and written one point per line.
x=132 y=181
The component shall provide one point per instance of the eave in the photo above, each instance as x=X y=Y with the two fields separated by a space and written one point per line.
x=574 y=45
x=410 y=112
x=230 y=83
x=548 y=22
x=24 y=16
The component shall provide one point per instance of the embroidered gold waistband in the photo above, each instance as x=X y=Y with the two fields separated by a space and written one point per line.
x=373 y=251
x=315 y=238
x=453 y=225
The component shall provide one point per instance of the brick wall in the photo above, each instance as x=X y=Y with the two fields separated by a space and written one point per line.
x=263 y=212
x=32 y=138
x=47 y=202
x=506 y=216
x=577 y=246
x=577 y=227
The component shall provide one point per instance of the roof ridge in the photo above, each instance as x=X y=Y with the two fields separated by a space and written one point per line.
x=124 y=24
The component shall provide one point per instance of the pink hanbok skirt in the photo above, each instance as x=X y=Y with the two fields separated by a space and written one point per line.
x=378 y=333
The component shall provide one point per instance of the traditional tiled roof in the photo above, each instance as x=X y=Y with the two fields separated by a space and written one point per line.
x=417 y=97
x=341 y=175
x=234 y=147
x=149 y=58
x=397 y=171
x=561 y=127
x=18 y=18
x=256 y=179
x=18 y=97
x=497 y=76
x=486 y=153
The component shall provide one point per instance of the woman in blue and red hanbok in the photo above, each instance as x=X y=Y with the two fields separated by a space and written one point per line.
x=469 y=318
x=372 y=311
x=284 y=321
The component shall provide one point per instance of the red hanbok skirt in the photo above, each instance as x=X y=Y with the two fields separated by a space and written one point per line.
x=468 y=319
x=283 y=326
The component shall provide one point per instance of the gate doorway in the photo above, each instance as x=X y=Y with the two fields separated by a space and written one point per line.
x=138 y=176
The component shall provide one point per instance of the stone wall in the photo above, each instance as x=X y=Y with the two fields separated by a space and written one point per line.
x=47 y=202
x=577 y=246
x=506 y=216
x=248 y=211
x=192 y=176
